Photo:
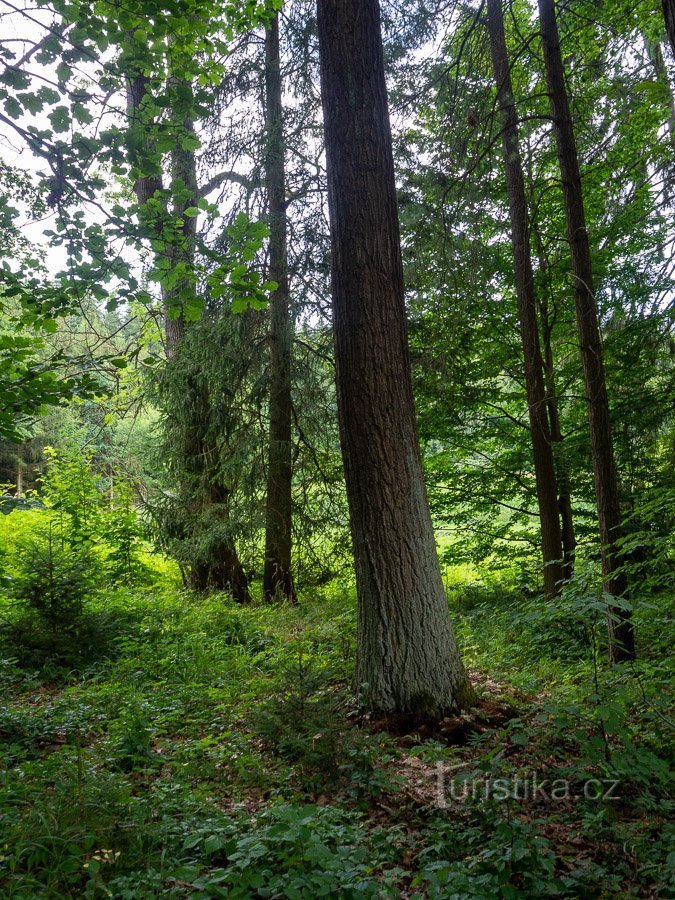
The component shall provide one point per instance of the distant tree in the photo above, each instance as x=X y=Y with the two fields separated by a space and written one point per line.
x=212 y=560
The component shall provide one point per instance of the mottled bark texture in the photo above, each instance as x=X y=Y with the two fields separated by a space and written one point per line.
x=407 y=658
x=277 y=578
x=540 y=437
x=621 y=637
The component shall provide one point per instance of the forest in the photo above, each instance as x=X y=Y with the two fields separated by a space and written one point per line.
x=337 y=448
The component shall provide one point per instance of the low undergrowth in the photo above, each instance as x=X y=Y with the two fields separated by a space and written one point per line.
x=215 y=750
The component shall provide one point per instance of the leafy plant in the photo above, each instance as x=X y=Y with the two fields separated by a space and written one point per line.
x=55 y=583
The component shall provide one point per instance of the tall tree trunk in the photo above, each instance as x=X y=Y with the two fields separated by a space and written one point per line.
x=407 y=658
x=542 y=450
x=621 y=636
x=226 y=573
x=146 y=185
x=669 y=16
x=277 y=579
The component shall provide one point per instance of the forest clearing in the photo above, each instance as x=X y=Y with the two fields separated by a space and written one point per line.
x=337 y=448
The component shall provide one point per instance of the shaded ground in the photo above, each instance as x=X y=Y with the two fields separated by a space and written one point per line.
x=216 y=751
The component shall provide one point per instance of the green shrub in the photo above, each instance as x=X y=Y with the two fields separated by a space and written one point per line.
x=55 y=583
x=53 y=625
x=306 y=721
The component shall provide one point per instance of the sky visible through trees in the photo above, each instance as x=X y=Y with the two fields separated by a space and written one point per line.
x=336 y=447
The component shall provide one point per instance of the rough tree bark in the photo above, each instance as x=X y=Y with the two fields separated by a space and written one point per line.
x=226 y=573
x=407 y=658
x=540 y=437
x=277 y=578
x=621 y=636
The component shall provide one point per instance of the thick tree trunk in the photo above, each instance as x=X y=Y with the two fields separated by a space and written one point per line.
x=542 y=450
x=407 y=658
x=142 y=145
x=621 y=637
x=669 y=16
x=277 y=579
x=220 y=568
x=226 y=575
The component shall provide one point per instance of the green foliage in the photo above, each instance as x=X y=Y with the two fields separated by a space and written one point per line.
x=158 y=742
x=302 y=852
x=514 y=860
x=70 y=487
x=146 y=773
x=122 y=531
x=304 y=722
x=54 y=583
x=32 y=381
x=467 y=362
x=57 y=559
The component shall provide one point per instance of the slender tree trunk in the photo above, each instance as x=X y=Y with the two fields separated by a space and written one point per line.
x=669 y=16
x=542 y=450
x=277 y=577
x=569 y=541
x=621 y=637
x=407 y=658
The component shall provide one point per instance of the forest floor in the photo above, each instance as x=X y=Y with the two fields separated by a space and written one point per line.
x=197 y=748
